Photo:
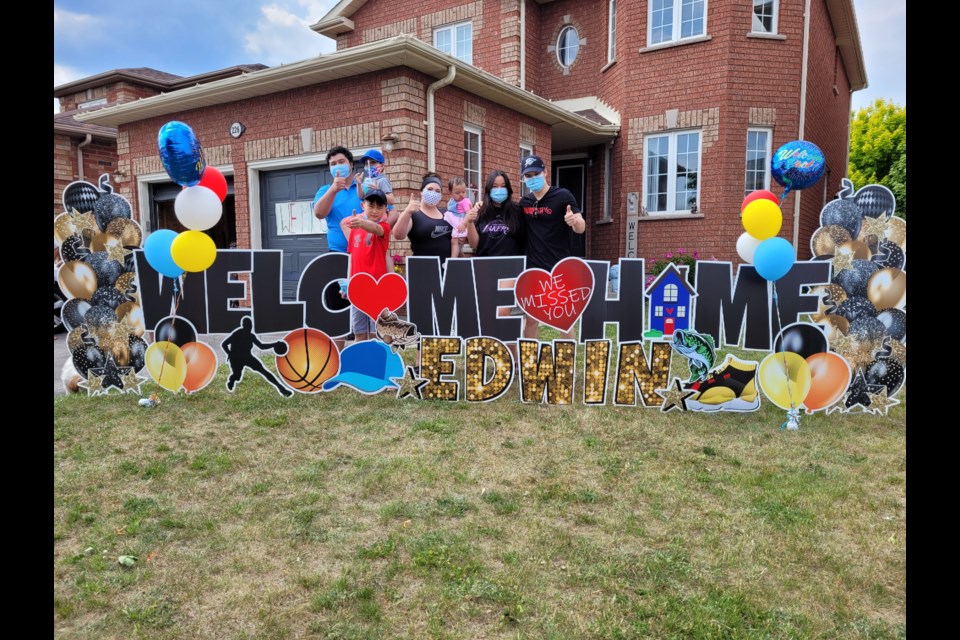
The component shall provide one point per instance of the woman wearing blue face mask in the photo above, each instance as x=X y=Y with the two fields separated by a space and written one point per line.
x=495 y=225
x=423 y=222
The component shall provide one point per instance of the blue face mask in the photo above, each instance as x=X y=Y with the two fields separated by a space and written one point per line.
x=535 y=183
x=340 y=170
x=498 y=194
x=431 y=197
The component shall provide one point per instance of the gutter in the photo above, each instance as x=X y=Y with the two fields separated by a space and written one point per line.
x=803 y=111
x=431 y=120
x=80 y=147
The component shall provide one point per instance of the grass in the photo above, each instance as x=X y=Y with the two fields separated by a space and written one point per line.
x=349 y=516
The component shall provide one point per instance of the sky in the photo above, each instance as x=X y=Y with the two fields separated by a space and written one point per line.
x=188 y=37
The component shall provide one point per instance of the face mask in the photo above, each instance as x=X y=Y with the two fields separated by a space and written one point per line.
x=498 y=194
x=431 y=198
x=535 y=183
x=340 y=170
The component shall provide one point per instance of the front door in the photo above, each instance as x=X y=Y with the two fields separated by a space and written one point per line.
x=571 y=174
x=288 y=223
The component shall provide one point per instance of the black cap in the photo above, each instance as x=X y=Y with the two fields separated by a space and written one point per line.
x=531 y=163
x=376 y=194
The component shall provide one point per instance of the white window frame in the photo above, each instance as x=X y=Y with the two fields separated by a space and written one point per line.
x=766 y=165
x=681 y=311
x=559 y=48
x=452 y=28
x=473 y=194
x=612 y=31
x=774 y=22
x=658 y=311
x=525 y=150
x=671 y=170
x=670 y=293
x=676 y=22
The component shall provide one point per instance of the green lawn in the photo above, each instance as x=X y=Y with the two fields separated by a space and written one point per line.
x=350 y=516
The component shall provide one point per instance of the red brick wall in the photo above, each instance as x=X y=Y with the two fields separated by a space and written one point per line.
x=534 y=60
x=100 y=156
x=590 y=20
x=115 y=93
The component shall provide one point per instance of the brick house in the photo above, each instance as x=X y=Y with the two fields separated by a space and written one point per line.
x=659 y=116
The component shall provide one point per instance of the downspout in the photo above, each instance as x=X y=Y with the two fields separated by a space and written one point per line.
x=803 y=111
x=80 y=147
x=431 y=124
x=523 y=44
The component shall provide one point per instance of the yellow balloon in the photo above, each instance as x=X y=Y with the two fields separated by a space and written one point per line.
x=193 y=251
x=762 y=219
x=785 y=386
x=167 y=365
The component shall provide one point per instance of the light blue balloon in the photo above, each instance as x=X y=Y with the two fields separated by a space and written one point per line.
x=156 y=248
x=774 y=258
x=181 y=153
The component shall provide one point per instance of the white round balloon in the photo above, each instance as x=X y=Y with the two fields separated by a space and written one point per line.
x=747 y=246
x=198 y=208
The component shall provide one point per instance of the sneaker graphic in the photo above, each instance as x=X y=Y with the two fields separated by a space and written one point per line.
x=731 y=387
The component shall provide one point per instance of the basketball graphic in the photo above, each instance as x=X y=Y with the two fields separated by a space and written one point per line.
x=309 y=360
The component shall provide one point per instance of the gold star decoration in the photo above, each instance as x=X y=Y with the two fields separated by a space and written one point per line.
x=861 y=353
x=122 y=329
x=898 y=351
x=874 y=226
x=840 y=405
x=880 y=403
x=93 y=384
x=842 y=344
x=841 y=262
x=131 y=381
x=83 y=222
x=116 y=251
x=410 y=385
x=674 y=396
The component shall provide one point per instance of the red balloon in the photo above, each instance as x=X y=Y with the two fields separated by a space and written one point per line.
x=214 y=180
x=753 y=195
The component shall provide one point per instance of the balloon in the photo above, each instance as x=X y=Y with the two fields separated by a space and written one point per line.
x=167 y=365
x=759 y=194
x=834 y=326
x=875 y=200
x=179 y=331
x=856 y=307
x=138 y=352
x=762 y=219
x=854 y=281
x=100 y=318
x=73 y=312
x=77 y=279
x=108 y=296
x=798 y=165
x=897 y=232
x=894 y=323
x=843 y=212
x=747 y=246
x=129 y=232
x=887 y=289
x=825 y=240
x=212 y=179
x=133 y=314
x=198 y=208
x=801 y=338
x=829 y=378
x=157 y=251
x=888 y=255
x=87 y=356
x=119 y=348
x=201 y=365
x=107 y=270
x=80 y=196
x=866 y=329
x=856 y=249
x=72 y=248
x=774 y=258
x=181 y=153
x=67 y=224
x=887 y=372
x=788 y=386
x=193 y=251
x=111 y=207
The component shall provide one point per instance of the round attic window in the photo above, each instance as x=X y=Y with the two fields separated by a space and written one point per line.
x=568 y=45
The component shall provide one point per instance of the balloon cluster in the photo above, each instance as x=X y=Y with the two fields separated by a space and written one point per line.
x=863 y=310
x=198 y=207
x=97 y=236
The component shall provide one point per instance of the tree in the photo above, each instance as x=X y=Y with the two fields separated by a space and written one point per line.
x=878 y=149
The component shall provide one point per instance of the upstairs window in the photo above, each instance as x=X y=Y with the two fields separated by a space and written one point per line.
x=764 y=16
x=758 y=160
x=568 y=46
x=671 y=172
x=675 y=20
x=455 y=40
x=612 y=31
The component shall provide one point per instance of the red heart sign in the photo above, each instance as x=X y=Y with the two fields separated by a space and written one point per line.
x=669 y=311
x=373 y=296
x=557 y=299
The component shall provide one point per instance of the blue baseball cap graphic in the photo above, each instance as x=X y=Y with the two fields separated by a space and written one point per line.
x=374 y=155
x=367 y=367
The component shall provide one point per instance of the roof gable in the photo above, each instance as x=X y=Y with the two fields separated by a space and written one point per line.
x=671 y=269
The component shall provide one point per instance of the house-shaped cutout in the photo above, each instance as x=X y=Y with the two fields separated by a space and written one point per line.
x=670 y=299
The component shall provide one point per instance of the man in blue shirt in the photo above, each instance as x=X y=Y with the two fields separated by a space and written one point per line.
x=338 y=200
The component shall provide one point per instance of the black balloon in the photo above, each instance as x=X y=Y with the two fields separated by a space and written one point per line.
x=108 y=208
x=138 y=352
x=854 y=308
x=81 y=196
x=887 y=372
x=86 y=356
x=889 y=254
x=854 y=281
x=875 y=200
x=100 y=316
x=73 y=248
x=803 y=339
x=107 y=270
x=894 y=323
x=108 y=296
x=866 y=329
x=843 y=212
x=175 y=330
x=73 y=312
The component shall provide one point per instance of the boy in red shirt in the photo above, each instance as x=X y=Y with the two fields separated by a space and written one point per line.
x=368 y=238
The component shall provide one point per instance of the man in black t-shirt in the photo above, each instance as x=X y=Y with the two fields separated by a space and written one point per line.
x=550 y=214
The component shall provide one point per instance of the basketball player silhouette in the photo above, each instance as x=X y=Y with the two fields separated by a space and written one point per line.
x=239 y=349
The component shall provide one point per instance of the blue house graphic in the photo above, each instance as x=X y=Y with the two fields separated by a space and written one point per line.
x=670 y=298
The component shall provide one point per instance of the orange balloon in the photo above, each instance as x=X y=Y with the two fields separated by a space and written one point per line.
x=201 y=365
x=829 y=377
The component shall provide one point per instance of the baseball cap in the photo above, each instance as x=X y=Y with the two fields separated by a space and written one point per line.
x=367 y=367
x=376 y=194
x=374 y=155
x=531 y=163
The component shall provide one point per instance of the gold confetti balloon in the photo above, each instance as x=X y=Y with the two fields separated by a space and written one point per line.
x=127 y=231
x=887 y=289
x=834 y=326
x=897 y=232
x=67 y=224
x=77 y=279
x=855 y=248
x=132 y=315
x=826 y=239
